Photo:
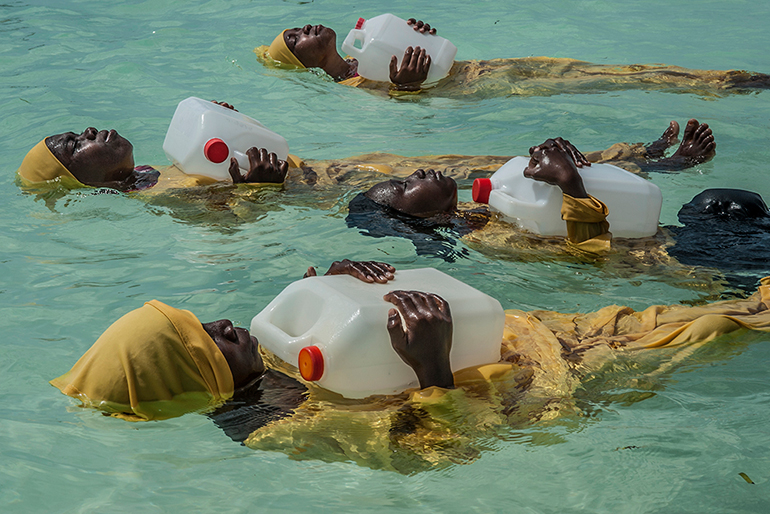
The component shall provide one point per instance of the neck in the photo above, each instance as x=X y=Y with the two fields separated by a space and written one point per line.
x=337 y=67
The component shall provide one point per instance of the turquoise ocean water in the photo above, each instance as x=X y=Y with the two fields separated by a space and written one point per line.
x=69 y=268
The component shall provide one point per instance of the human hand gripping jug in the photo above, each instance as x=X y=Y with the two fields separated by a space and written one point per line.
x=203 y=136
x=634 y=203
x=340 y=323
x=373 y=42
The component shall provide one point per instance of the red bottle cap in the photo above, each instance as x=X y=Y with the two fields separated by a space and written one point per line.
x=311 y=363
x=216 y=150
x=481 y=189
x=360 y=23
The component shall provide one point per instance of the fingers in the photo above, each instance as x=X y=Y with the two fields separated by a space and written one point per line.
x=379 y=271
x=440 y=305
x=225 y=104
x=415 y=305
x=369 y=271
x=265 y=166
x=235 y=171
x=570 y=149
x=310 y=272
x=256 y=156
x=418 y=57
x=373 y=271
x=404 y=302
x=407 y=57
x=420 y=26
x=393 y=68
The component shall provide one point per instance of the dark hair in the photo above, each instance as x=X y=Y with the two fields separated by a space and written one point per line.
x=434 y=237
x=727 y=229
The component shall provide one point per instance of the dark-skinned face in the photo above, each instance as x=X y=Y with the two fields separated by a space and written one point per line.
x=312 y=44
x=96 y=158
x=421 y=194
x=240 y=349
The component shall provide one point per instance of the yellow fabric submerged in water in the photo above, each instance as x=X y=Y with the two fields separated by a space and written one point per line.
x=155 y=362
x=545 y=357
x=543 y=76
x=40 y=165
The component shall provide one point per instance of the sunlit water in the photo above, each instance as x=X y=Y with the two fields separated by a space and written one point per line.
x=70 y=269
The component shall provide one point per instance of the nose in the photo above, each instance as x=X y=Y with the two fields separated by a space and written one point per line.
x=306 y=29
x=532 y=149
x=89 y=133
x=229 y=332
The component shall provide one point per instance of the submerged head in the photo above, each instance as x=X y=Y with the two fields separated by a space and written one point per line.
x=158 y=362
x=96 y=158
x=422 y=194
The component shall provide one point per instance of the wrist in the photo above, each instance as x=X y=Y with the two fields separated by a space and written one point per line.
x=437 y=375
x=574 y=188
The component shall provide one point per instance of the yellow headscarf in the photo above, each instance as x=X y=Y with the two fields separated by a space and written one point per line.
x=156 y=362
x=40 y=165
x=278 y=53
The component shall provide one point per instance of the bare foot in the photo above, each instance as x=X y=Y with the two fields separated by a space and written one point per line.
x=697 y=144
x=670 y=137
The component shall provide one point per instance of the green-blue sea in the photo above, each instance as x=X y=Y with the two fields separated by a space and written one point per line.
x=71 y=266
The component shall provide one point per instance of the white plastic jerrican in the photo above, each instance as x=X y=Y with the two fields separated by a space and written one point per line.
x=634 y=203
x=380 y=38
x=197 y=121
x=346 y=319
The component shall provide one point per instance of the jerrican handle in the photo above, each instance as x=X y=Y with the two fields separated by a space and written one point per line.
x=349 y=44
x=242 y=158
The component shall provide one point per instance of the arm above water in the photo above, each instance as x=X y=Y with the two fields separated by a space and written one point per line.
x=556 y=162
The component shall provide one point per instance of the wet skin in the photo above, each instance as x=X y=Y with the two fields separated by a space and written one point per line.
x=422 y=194
x=314 y=45
x=424 y=339
x=96 y=158
x=555 y=162
x=241 y=351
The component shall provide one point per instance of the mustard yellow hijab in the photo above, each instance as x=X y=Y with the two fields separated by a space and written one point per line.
x=40 y=165
x=156 y=362
x=278 y=54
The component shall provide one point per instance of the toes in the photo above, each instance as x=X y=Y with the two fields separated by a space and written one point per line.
x=702 y=132
x=672 y=132
x=689 y=130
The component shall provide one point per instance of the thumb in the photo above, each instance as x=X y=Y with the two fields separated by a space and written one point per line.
x=393 y=68
x=235 y=172
x=395 y=328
